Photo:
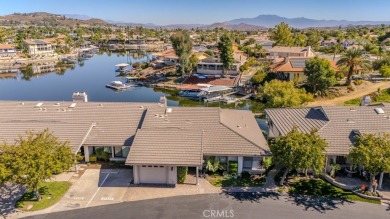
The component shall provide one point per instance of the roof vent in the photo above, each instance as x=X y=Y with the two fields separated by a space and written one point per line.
x=379 y=111
x=38 y=105
x=350 y=121
x=57 y=104
x=101 y=105
x=21 y=103
x=73 y=105
x=168 y=110
x=44 y=109
x=352 y=109
x=141 y=107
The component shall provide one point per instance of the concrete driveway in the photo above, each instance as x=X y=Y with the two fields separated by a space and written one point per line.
x=96 y=187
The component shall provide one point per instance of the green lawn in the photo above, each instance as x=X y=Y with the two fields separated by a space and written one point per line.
x=51 y=193
x=226 y=181
x=318 y=187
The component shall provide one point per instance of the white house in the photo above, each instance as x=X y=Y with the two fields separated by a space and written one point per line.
x=7 y=50
x=39 y=48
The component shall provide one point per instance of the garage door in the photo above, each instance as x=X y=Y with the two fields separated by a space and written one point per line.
x=153 y=174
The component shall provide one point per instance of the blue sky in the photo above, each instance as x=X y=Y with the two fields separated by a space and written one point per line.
x=204 y=11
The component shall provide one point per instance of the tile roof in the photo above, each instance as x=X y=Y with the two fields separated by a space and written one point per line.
x=337 y=124
x=165 y=147
x=292 y=49
x=221 y=132
x=294 y=64
x=115 y=123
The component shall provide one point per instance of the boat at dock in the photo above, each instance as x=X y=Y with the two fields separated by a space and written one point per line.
x=190 y=93
x=118 y=85
x=122 y=67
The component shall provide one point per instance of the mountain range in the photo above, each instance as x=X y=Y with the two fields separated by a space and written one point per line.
x=259 y=22
x=262 y=22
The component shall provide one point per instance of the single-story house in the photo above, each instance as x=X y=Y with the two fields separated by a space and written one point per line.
x=153 y=138
x=7 y=50
x=285 y=51
x=293 y=68
x=337 y=125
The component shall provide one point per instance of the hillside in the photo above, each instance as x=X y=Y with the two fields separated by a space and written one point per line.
x=43 y=18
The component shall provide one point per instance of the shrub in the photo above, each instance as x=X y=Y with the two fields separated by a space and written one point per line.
x=101 y=154
x=350 y=88
x=267 y=162
x=79 y=157
x=92 y=158
x=181 y=174
x=209 y=52
x=144 y=65
x=358 y=82
x=233 y=167
x=245 y=175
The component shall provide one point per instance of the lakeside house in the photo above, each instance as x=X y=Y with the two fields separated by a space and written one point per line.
x=7 y=50
x=338 y=125
x=153 y=138
x=285 y=51
x=293 y=68
x=39 y=48
x=213 y=65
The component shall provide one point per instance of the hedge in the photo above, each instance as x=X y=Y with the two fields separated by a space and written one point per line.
x=181 y=174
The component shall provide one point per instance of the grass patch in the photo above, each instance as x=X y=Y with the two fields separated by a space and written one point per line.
x=227 y=181
x=320 y=188
x=51 y=193
x=382 y=97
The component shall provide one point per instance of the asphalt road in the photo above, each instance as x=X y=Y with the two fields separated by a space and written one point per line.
x=235 y=205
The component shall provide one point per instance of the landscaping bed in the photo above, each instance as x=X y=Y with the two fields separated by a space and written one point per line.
x=229 y=180
x=320 y=188
x=382 y=96
x=51 y=193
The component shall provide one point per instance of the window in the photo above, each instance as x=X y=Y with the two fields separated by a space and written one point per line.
x=340 y=160
x=118 y=151
x=248 y=162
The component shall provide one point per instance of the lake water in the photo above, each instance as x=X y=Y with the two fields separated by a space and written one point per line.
x=91 y=76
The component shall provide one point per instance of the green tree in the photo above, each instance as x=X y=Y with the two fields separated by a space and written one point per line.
x=385 y=71
x=282 y=35
x=35 y=158
x=258 y=77
x=281 y=94
x=213 y=165
x=373 y=152
x=300 y=40
x=313 y=39
x=225 y=48
x=298 y=150
x=320 y=75
x=182 y=44
x=352 y=59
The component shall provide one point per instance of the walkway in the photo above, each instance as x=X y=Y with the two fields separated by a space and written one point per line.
x=340 y=100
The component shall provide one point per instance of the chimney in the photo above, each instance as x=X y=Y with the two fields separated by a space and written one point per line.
x=80 y=97
x=163 y=101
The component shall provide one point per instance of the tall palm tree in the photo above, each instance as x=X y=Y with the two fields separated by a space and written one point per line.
x=352 y=59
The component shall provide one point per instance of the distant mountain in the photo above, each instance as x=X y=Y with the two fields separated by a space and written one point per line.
x=78 y=16
x=43 y=18
x=227 y=26
x=300 y=22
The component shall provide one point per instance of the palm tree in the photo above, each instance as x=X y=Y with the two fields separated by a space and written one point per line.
x=352 y=59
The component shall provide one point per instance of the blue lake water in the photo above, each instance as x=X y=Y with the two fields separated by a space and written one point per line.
x=91 y=77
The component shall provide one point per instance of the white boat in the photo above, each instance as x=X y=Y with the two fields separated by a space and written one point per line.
x=121 y=67
x=118 y=85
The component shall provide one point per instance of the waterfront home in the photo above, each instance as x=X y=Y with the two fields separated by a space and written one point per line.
x=7 y=50
x=39 y=48
x=153 y=138
x=338 y=125
x=285 y=51
x=213 y=65
x=292 y=68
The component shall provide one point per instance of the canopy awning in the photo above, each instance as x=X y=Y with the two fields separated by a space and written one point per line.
x=122 y=65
